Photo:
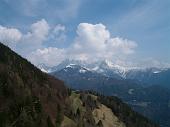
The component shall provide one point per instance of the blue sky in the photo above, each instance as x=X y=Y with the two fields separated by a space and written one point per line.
x=134 y=30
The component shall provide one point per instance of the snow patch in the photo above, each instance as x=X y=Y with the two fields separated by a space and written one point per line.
x=109 y=63
x=95 y=68
x=82 y=70
x=70 y=66
x=43 y=70
x=65 y=70
x=156 y=72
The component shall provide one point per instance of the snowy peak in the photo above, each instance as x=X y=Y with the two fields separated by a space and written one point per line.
x=44 y=68
x=105 y=67
x=63 y=64
x=107 y=63
x=74 y=68
x=110 y=69
x=71 y=66
x=83 y=70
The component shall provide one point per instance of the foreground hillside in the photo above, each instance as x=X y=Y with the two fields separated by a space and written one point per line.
x=30 y=98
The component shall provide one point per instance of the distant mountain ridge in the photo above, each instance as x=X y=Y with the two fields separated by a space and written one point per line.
x=145 y=76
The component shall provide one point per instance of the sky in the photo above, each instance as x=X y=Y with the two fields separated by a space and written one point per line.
x=126 y=32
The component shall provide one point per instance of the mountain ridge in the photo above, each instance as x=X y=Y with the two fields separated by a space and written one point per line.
x=143 y=76
x=100 y=66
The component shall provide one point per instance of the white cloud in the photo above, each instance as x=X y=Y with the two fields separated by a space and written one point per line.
x=25 y=43
x=40 y=29
x=9 y=36
x=91 y=37
x=50 y=56
x=152 y=62
x=34 y=38
x=120 y=45
x=58 y=34
x=93 y=42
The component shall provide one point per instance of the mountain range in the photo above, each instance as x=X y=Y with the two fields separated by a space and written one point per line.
x=145 y=76
x=146 y=90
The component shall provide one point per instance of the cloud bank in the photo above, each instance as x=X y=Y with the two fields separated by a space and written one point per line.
x=9 y=36
x=50 y=56
x=25 y=43
x=92 y=42
x=34 y=38
x=95 y=41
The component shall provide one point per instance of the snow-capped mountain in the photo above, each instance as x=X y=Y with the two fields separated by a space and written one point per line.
x=104 y=67
x=44 y=68
x=60 y=66
x=150 y=76
x=75 y=68
x=107 y=68
x=147 y=76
